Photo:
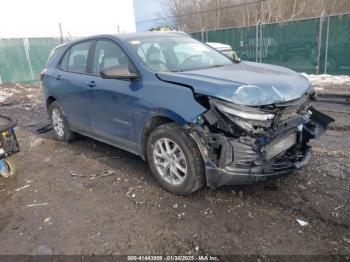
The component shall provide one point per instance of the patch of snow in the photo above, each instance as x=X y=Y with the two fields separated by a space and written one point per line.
x=328 y=80
x=4 y=95
x=20 y=86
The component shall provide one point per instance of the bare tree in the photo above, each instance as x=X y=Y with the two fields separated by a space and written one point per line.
x=212 y=14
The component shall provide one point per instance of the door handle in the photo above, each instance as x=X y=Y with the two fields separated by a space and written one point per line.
x=91 y=83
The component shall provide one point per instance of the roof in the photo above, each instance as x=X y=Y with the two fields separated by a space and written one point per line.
x=128 y=36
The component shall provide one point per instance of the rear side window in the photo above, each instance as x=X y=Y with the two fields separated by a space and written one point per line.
x=76 y=57
x=53 y=55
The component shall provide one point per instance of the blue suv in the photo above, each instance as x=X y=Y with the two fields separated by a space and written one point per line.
x=197 y=117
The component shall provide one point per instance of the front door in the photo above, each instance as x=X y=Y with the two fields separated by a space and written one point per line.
x=112 y=112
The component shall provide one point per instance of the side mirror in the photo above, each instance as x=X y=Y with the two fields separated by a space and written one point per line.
x=118 y=72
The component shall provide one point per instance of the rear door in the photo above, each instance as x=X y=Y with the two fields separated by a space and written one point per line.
x=74 y=92
x=112 y=115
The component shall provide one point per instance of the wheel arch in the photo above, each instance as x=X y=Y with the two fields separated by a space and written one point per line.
x=152 y=123
x=50 y=100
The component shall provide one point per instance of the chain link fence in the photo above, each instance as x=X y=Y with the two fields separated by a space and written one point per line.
x=316 y=45
x=22 y=59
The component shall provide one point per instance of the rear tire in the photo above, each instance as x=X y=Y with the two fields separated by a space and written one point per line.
x=175 y=160
x=59 y=123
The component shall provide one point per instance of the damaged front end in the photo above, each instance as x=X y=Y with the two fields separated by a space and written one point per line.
x=246 y=144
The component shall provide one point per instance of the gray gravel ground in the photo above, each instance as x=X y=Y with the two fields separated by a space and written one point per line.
x=128 y=213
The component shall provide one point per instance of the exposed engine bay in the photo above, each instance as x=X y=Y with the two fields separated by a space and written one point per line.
x=256 y=142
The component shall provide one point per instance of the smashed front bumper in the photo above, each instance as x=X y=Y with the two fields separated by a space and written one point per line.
x=250 y=158
x=240 y=163
x=241 y=175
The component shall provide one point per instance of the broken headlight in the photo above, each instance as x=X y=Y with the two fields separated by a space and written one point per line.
x=247 y=118
x=258 y=116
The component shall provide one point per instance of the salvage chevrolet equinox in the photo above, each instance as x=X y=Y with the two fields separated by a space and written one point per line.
x=196 y=116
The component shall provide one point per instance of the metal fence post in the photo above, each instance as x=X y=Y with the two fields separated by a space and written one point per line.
x=202 y=33
x=260 y=44
x=256 y=41
x=319 y=44
x=61 y=35
x=276 y=45
x=326 y=54
x=26 y=51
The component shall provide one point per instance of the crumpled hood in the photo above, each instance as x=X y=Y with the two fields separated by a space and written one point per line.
x=245 y=83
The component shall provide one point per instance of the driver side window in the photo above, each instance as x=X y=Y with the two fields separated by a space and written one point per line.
x=108 y=54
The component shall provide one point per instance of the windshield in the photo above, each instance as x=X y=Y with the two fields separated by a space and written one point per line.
x=177 y=53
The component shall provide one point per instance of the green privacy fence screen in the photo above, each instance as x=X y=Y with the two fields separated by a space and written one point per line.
x=316 y=45
x=22 y=59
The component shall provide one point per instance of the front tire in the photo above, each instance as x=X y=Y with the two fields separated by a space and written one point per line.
x=59 y=123
x=175 y=160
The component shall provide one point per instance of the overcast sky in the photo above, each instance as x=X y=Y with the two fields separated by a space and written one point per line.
x=40 y=18
x=147 y=10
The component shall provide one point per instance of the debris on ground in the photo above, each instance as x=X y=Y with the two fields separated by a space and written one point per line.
x=36 y=142
x=335 y=214
x=108 y=157
x=44 y=129
x=76 y=175
x=302 y=223
x=181 y=215
x=53 y=170
x=338 y=207
x=95 y=176
x=4 y=95
x=37 y=205
x=102 y=174
x=23 y=187
x=27 y=107
x=130 y=193
x=47 y=220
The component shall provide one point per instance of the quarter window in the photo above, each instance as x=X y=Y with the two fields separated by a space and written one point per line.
x=75 y=59
x=108 y=54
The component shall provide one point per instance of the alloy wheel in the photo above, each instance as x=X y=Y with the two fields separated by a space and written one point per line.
x=57 y=122
x=170 y=161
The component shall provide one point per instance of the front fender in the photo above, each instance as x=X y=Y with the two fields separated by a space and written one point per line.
x=144 y=123
x=163 y=112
